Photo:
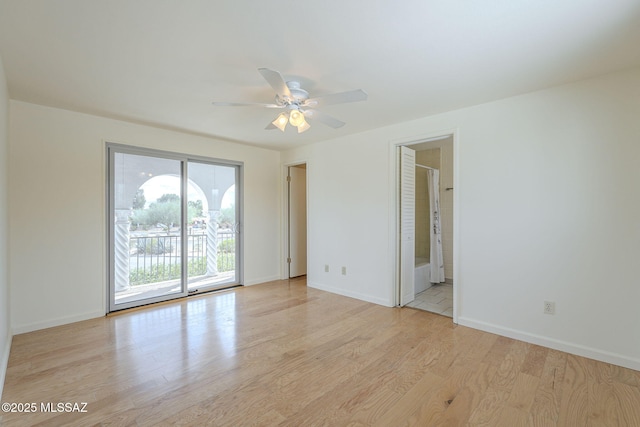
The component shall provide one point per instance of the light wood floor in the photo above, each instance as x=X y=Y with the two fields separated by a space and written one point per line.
x=285 y=354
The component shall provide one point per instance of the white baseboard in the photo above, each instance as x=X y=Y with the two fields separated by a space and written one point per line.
x=577 y=349
x=261 y=280
x=357 y=295
x=35 y=326
x=4 y=360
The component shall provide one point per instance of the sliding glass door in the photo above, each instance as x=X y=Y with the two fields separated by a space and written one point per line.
x=213 y=226
x=173 y=226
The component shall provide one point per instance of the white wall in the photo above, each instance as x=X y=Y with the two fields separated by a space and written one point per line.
x=57 y=209
x=548 y=209
x=347 y=217
x=5 y=325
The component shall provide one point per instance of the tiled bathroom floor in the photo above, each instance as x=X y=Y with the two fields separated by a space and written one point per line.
x=437 y=299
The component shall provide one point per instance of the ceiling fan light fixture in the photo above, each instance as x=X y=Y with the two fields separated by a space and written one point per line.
x=304 y=126
x=280 y=122
x=296 y=118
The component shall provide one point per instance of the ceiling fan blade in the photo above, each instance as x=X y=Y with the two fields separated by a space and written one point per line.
x=324 y=118
x=246 y=104
x=276 y=81
x=337 y=98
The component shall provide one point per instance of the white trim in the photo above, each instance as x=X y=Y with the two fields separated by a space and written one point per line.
x=284 y=224
x=457 y=278
x=567 y=347
x=356 y=295
x=284 y=219
x=4 y=361
x=427 y=137
x=104 y=221
x=262 y=280
x=35 y=326
x=393 y=183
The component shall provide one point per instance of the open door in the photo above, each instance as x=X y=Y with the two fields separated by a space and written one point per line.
x=407 y=220
x=297 y=180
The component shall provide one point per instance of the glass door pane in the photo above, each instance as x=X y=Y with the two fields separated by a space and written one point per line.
x=146 y=217
x=212 y=224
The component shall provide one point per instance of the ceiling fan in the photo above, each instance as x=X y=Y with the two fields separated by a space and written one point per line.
x=299 y=107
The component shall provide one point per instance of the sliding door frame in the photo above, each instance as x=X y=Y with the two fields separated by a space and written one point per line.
x=111 y=149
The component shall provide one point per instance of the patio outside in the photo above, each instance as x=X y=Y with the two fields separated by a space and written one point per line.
x=147 y=238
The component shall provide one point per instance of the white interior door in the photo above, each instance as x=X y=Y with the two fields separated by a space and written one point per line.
x=407 y=202
x=297 y=220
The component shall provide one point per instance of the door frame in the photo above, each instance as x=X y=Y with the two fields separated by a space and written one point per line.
x=394 y=242
x=112 y=148
x=284 y=273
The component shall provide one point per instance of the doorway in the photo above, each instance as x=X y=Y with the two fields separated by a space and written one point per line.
x=297 y=220
x=425 y=259
x=174 y=225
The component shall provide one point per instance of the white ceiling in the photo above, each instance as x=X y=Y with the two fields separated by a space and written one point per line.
x=162 y=62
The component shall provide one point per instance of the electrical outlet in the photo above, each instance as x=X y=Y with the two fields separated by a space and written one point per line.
x=549 y=307
x=344 y=271
x=326 y=268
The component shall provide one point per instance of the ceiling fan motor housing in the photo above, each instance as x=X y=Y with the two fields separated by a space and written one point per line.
x=299 y=95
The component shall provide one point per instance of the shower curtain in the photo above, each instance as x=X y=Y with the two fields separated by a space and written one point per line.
x=437 y=260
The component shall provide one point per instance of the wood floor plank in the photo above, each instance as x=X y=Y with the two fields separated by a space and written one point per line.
x=432 y=411
x=534 y=361
x=627 y=399
x=523 y=392
x=510 y=367
x=625 y=376
x=512 y=417
x=575 y=397
x=423 y=390
x=468 y=398
x=602 y=405
x=489 y=409
x=284 y=354
x=545 y=408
